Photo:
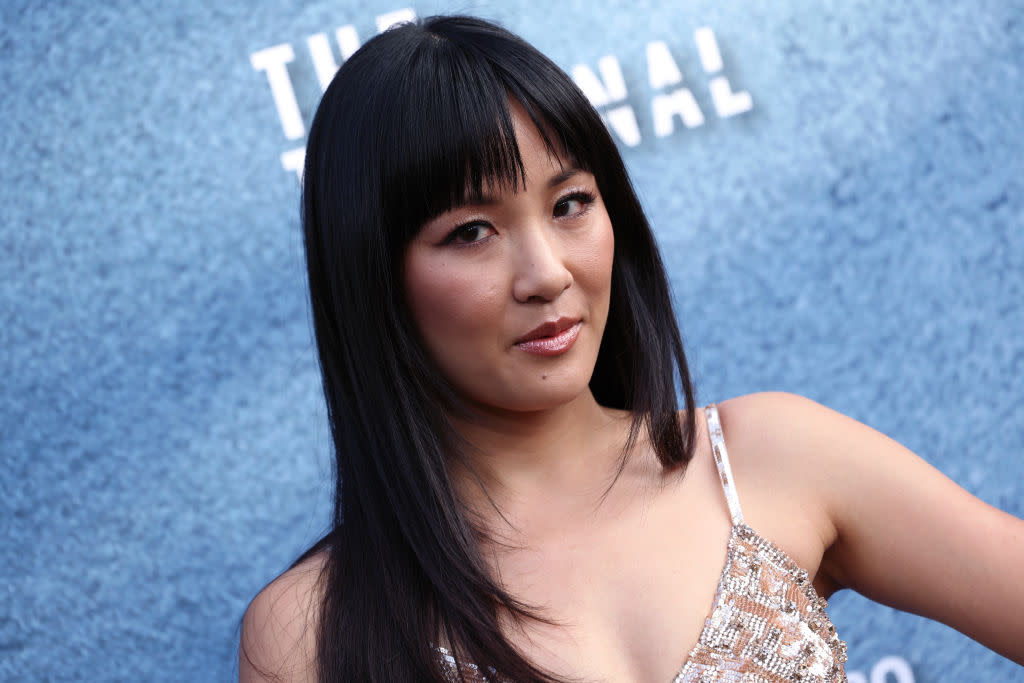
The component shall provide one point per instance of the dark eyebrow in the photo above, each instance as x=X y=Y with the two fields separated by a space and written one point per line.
x=557 y=180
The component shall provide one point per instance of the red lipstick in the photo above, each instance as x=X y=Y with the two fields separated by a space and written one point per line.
x=551 y=338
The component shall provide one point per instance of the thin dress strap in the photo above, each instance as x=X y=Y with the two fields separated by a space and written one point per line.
x=722 y=462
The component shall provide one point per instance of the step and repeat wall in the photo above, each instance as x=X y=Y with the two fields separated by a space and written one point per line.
x=836 y=187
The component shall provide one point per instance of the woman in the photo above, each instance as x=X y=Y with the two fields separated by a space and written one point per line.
x=515 y=486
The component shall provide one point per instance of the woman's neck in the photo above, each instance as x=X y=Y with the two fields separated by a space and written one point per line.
x=520 y=466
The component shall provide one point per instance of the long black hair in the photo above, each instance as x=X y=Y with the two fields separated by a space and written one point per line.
x=414 y=121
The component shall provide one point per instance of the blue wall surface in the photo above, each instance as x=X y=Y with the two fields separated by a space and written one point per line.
x=851 y=232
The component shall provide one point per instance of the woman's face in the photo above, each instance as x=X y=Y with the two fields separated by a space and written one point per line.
x=511 y=293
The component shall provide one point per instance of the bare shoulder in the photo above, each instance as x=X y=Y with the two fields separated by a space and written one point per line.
x=779 y=422
x=279 y=629
x=777 y=437
x=794 y=442
x=780 y=449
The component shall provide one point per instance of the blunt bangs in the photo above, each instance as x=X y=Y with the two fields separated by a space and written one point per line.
x=453 y=134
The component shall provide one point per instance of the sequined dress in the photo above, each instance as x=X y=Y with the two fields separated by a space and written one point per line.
x=767 y=623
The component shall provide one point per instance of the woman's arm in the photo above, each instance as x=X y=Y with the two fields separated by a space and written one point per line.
x=905 y=534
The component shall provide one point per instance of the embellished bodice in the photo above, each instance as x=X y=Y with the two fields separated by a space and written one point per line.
x=767 y=623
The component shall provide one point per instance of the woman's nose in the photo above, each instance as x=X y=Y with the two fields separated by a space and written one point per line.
x=541 y=269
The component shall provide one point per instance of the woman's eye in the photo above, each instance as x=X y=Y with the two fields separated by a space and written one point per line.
x=469 y=233
x=573 y=204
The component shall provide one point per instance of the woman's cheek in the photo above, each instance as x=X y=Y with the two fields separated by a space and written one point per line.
x=470 y=295
x=449 y=300
x=594 y=257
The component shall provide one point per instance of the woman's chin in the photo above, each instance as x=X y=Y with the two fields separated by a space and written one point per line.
x=544 y=393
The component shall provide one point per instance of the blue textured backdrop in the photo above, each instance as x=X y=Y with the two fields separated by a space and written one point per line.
x=854 y=237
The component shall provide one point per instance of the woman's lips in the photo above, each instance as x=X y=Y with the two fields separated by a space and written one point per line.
x=551 y=339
